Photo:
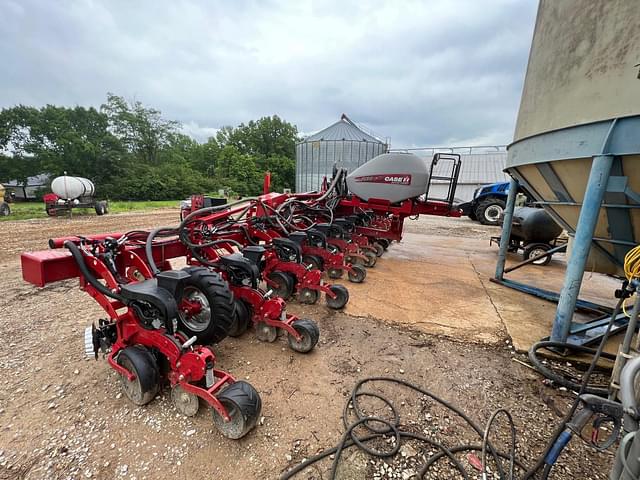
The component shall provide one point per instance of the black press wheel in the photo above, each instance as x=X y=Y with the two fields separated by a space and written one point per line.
x=379 y=249
x=139 y=361
x=283 y=284
x=308 y=330
x=536 y=249
x=215 y=311
x=308 y=296
x=384 y=242
x=313 y=261
x=490 y=211
x=335 y=273
x=243 y=405
x=370 y=259
x=357 y=274
x=342 y=297
x=241 y=318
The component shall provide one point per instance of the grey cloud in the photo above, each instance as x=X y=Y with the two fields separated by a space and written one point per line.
x=423 y=73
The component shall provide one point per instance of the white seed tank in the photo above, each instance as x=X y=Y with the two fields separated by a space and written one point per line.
x=391 y=176
x=70 y=188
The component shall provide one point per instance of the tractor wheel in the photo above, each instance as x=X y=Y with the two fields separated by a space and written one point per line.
x=215 y=318
x=342 y=297
x=241 y=319
x=370 y=259
x=472 y=216
x=139 y=361
x=490 y=210
x=308 y=296
x=384 y=242
x=357 y=274
x=243 y=405
x=535 y=249
x=379 y=249
x=335 y=273
x=4 y=209
x=308 y=330
x=314 y=261
x=284 y=284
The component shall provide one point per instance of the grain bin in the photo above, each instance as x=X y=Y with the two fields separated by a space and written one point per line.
x=576 y=147
x=343 y=143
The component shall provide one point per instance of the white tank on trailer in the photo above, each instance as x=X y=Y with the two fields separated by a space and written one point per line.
x=391 y=176
x=70 y=188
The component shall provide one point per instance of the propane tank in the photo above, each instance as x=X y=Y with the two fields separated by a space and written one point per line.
x=391 y=176
x=534 y=225
x=70 y=188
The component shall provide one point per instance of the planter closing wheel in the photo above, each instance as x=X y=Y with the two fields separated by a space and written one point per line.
x=308 y=296
x=357 y=274
x=335 y=273
x=206 y=308
x=284 y=284
x=341 y=299
x=186 y=403
x=313 y=261
x=139 y=361
x=243 y=405
x=310 y=336
x=536 y=249
x=266 y=333
x=371 y=259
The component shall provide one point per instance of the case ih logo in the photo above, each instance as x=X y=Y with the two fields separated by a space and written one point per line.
x=391 y=179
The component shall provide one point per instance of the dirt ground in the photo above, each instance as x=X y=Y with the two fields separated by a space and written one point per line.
x=429 y=318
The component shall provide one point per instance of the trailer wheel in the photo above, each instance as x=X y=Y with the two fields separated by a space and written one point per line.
x=241 y=318
x=4 y=209
x=314 y=261
x=490 y=210
x=139 y=361
x=284 y=284
x=536 y=249
x=308 y=330
x=211 y=294
x=243 y=405
x=342 y=297
x=100 y=208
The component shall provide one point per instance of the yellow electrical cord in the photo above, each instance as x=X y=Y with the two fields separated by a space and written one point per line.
x=631 y=269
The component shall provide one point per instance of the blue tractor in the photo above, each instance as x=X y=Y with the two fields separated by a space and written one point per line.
x=488 y=203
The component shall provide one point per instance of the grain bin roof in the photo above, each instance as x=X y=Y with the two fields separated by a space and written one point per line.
x=343 y=129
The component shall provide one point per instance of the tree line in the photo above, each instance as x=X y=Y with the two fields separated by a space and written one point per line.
x=131 y=152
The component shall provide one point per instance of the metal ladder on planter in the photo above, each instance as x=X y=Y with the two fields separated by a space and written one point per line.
x=446 y=174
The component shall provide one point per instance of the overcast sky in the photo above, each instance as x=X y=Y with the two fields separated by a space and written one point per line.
x=424 y=73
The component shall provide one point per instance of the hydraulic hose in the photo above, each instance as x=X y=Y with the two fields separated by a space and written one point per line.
x=148 y=247
x=79 y=258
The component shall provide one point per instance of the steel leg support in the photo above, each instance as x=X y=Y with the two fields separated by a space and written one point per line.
x=593 y=195
x=506 y=228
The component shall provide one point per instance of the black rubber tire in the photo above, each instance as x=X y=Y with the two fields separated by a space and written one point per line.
x=384 y=242
x=244 y=406
x=222 y=308
x=100 y=209
x=371 y=259
x=472 y=216
x=308 y=296
x=310 y=333
x=335 y=273
x=284 y=284
x=342 y=297
x=531 y=248
x=485 y=205
x=379 y=248
x=139 y=361
x=358 y=274
x=316 y=262
x=4 y=209
x=241 y=318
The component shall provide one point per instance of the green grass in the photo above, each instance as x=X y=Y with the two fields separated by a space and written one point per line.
x=29 y=210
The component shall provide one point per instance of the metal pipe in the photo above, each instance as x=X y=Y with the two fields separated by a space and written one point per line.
x=506 y=228
x=593 y=195
x=628 y=455
x=626 y=342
